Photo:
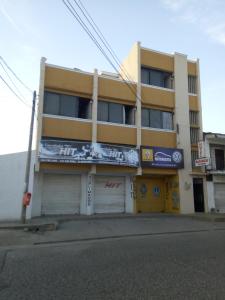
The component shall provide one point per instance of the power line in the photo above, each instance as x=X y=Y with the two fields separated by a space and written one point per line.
x=102 y=38
x=85 y=27
x=22 y=100
x=11 y=80
x=17 y=77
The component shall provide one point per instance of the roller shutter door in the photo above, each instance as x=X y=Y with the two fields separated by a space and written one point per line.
x=61 y=194
x=219 y=190
x=109 y=194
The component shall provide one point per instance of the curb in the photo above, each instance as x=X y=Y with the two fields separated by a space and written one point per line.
x=31 y=227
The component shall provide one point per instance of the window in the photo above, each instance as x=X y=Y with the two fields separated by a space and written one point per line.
x=66 y=105
x=194 y=156
x=193 y=116
x=192 y=84
x=156 y=119
x=194 y=132
x=156 y=77
x=219 y=156
x=115 y=113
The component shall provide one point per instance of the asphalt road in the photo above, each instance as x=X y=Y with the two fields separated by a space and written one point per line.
x=173 y=265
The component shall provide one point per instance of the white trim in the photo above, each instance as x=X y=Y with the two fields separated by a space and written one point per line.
x=69 y=69
x=66 y=118
x=158 y=129
x=116 y=124
x=190 y=94
x=159 y=52
x=193 y=60
x=157 y=87
x=118 y=79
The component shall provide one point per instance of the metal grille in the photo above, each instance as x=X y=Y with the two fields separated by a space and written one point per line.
x=192 y=85
x=193 y=116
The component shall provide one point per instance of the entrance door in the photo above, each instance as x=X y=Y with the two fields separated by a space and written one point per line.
x=150 y=195
x=198 y=194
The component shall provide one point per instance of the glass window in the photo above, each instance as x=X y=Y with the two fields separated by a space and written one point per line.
x=69 y=106
x=129 y=114
x=145 y=76
x=51 y=103
x=145 y=120
x=167 y=119
x=155 y=118
x=115 y=113
x=156 y=78
x=103 y=111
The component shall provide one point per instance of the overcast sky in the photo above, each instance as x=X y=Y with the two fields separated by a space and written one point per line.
x=31 y=29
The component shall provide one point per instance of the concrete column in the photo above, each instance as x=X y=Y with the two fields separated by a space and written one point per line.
x=138 y=102
x=40 y=110
x=183 y=134
x=90 y=194
x=129 y=199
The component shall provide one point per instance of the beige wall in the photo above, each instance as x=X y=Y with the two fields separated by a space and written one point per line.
x=66 y=80
x=67 y=129
x=116 y=134
x=157 y=60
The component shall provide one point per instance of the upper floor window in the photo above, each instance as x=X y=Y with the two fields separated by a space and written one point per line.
x=156 y=119
x=156 y=77
x=66 y=105
x=194 y=156
x=194 y=133
x=115 y=113
x=219 y=158
x=193 y=116
x=192 y=84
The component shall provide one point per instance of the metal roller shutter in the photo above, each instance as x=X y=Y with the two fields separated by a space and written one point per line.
x=109 y=194
x=219 y=190
x=61 y=194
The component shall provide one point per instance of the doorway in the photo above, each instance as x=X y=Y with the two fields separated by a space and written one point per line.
x=198 y=195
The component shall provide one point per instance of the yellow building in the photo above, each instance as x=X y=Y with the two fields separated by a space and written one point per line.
x=106 y=144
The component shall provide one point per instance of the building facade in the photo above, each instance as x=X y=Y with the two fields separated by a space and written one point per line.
x=215 y=150
x=121 y=142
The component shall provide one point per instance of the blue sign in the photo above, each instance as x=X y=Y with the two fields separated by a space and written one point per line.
x=158 y=157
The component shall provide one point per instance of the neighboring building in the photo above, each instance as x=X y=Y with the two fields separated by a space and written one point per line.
x=12 y=177
x=215 y=149
x=92 y=127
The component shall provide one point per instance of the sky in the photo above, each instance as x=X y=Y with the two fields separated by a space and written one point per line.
x=30 y=29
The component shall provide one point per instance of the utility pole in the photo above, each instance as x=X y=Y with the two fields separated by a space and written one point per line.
x=27 y=174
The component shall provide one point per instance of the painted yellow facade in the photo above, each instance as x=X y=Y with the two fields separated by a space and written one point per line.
x=155 y=189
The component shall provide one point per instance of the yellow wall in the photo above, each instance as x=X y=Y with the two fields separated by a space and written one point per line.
x=193 y=103
x=157 y=60
x=115 y=89
x=116 y=134
x=115 y=169
x=130 y=65
x=62 y=166
x=158 y=138
x=158 y=171
x=65 y=80
x=67 y=129
x=157 y=97
x=192 y=68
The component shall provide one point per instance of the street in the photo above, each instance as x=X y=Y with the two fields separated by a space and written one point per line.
x=158 y=258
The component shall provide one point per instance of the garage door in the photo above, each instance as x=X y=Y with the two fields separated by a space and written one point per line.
x=109 y=194
x=61 y=194
x=219 y=190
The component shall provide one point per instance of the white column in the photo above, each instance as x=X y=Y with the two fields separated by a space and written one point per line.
x=40 y=110
x=183 y=136
x=129 y=199
x=138 y=102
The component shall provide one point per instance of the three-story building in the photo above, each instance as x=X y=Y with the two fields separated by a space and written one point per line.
x=121 y=142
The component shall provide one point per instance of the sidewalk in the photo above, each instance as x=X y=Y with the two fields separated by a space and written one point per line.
x=52 y=222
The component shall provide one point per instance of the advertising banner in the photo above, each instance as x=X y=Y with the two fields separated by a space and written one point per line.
x=158 y=157
x=86 y=152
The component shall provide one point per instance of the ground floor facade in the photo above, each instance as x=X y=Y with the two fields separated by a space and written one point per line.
x=216 y=191
x=64 y=189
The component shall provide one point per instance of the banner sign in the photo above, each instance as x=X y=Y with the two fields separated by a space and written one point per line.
x=85 y=152
x=202 y=162
x=158 y=157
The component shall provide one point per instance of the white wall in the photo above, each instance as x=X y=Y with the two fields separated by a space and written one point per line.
x=12 y=172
